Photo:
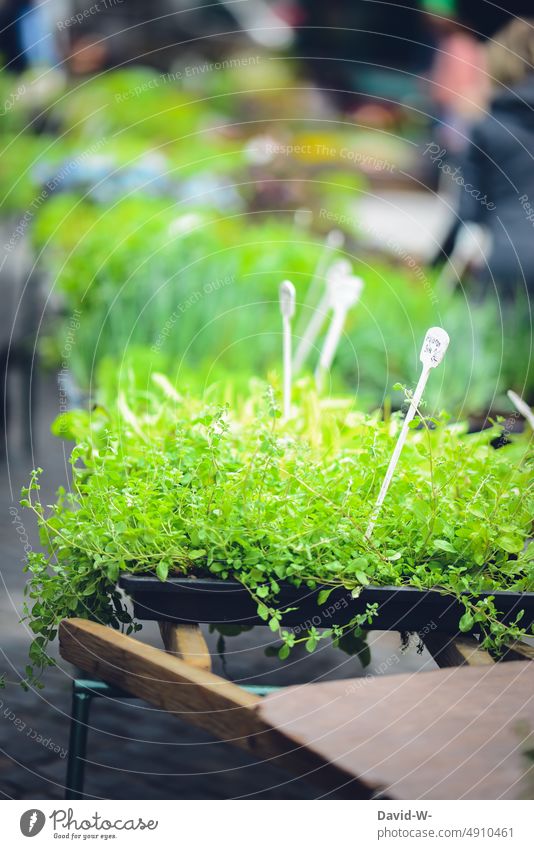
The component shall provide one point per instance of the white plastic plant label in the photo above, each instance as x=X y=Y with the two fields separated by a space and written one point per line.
x=287 y=299
x=434 y=347
x=287 y=310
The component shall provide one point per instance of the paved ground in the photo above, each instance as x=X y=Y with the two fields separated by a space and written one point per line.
x=135 y=751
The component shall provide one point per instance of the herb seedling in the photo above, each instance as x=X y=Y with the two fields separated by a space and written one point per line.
x=216 y=491
x=433 y=350
x=521 y=407
x=287 y=310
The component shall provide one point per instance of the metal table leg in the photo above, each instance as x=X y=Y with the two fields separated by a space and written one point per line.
x=83 y=692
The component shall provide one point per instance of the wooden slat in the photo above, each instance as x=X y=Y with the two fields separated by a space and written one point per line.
x=186 y=642
x=196 y=696
x=450 y=651
x=161 y=679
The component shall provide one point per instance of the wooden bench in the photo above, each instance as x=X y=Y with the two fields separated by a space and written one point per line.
x=330 y=734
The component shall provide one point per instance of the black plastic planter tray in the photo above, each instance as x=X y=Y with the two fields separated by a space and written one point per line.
x=208 y=600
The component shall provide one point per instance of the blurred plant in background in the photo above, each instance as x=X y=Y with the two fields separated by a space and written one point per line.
x=167 y=207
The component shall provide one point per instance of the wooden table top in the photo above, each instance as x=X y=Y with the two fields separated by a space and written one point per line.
x=446 y=734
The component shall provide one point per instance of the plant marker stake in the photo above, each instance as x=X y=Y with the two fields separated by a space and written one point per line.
x=433 y=350
x=522 y=407
x=340 y=268
x=334 y=241
x=287 y=309
x=345 y=293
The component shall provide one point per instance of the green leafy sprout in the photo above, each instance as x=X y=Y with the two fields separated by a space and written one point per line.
x=177 y=485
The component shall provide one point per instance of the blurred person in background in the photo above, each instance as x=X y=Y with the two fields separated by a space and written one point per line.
x=499 y=164
x=28 y=33
x=458 y=82
x=12 y=55
x=485 y=18
x=460 y=88
x=368 y=54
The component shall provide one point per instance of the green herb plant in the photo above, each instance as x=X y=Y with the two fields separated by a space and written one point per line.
x=172 y=485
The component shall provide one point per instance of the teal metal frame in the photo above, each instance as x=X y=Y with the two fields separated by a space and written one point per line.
x=84 y=690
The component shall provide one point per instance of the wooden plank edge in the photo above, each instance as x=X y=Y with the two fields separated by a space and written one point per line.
x=186 y=642
x=201 y=698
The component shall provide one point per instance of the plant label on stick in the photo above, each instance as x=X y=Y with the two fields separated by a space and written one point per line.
x=334 y=241
x=433 y=350
x=521 y=407
x=338 y=270
x=287 y=310
x=344 y=293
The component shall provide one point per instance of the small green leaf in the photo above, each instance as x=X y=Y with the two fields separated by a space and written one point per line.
x=263 y=612
x=196 y=553
x=324 y=595
x=311 y=643
x=512 y=544
x=444 y=545
x=466 y=622
x=162 y=570
x=360 y=563
x=113 y=572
